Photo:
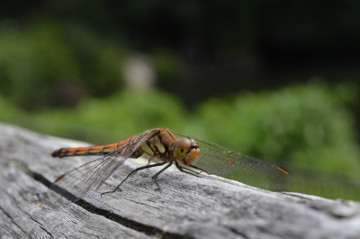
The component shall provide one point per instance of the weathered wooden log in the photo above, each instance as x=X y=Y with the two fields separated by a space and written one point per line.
x=187 y=206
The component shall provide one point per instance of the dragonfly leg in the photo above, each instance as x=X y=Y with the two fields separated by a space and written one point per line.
x=158 y=173
x=202 y=170
x=186 y=170
x=132 y=172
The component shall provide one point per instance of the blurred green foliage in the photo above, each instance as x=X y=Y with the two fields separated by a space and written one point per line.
x=106 y=120
x=308 y=125
x=308 y=128
x=167 y=66
x=67 y=51
x=45 y=64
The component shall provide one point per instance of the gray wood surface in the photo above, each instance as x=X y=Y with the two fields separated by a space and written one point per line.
x=187 y=207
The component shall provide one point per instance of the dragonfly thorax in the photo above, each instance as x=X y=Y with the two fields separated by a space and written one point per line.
x=187 y=151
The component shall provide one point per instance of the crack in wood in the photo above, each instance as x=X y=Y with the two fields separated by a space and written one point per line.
x=40 y=225
x=140 y=227
x=13 y=221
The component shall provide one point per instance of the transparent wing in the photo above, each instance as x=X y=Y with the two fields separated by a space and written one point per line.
x=221 y=161
x=91 y=175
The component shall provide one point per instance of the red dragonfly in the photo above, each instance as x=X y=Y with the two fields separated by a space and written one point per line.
x=164 y=147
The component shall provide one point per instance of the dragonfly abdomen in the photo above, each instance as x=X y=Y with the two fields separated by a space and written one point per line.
x=92 y=150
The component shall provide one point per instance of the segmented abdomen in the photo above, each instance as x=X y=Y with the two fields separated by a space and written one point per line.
x=92 y=150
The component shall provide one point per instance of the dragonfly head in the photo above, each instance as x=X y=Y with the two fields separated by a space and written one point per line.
x=186 y=150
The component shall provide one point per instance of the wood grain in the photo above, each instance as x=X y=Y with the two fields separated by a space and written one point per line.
x=187 y=206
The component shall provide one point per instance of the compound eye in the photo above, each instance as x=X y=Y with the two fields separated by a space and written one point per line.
x=184 y=144
x=193 y=144
x=187 y=151
x=182 y=148
x=193 y=154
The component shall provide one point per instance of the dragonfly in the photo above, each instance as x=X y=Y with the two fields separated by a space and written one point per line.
x=163 y=147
